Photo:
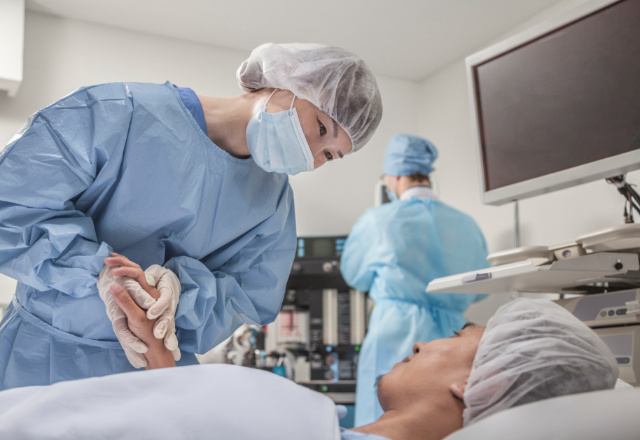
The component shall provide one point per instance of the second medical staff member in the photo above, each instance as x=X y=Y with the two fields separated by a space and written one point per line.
x=393 y=252
x=162 y=176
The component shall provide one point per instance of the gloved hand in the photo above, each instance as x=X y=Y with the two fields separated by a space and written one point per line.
x=133 y=347
x=130 y=276
x=167 y=295
x=165 y=307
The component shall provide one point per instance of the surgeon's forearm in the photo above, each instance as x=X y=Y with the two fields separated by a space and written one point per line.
x=158 y=356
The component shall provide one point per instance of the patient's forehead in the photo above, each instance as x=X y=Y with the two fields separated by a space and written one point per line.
x=472 y=334
x=473 y=330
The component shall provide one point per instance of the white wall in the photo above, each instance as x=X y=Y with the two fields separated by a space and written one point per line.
x=548 y=219
x=61 y=55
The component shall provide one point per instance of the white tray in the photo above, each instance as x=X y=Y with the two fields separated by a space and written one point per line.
x=615 y=238
x=525 y=276
x=536 y=254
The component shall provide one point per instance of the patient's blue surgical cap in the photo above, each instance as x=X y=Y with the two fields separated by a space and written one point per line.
x=533 y=350
x=407 y=154
x=333 y=79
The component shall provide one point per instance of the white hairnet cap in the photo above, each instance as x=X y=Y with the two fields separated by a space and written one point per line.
x=333 y=79
x=533 y=350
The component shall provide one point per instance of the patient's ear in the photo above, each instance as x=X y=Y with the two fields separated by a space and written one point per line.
x=457 y=389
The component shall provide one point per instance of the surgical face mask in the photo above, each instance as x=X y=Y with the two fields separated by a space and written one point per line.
x=391 y=194
x=277 y=143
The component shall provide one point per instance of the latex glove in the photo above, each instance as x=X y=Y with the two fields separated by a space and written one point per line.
x=167 y=294
x=133 y=347
x=168 y=284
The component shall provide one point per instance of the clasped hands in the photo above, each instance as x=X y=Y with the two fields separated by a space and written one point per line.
x=156 y=290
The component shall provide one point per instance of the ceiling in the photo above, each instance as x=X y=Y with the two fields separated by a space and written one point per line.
x=407 y=39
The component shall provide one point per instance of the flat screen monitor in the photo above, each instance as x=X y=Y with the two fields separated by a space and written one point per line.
x=558 y=105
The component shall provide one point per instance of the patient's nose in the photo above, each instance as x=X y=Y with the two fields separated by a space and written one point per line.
x=418 y=346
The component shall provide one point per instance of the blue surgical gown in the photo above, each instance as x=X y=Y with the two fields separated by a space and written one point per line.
x=124 y=167
x=393 y=252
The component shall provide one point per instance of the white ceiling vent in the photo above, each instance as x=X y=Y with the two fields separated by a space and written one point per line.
x=11 y=44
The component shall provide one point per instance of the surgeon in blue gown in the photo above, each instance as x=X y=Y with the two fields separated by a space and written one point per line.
x=163 y=176
x=393 y=252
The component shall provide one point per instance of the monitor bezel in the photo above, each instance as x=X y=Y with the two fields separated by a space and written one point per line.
x=611 y=166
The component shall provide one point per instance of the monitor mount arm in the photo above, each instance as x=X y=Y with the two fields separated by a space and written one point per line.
x=630 y=194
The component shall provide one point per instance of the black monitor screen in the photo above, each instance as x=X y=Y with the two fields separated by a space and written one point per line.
x=314 y=247
x=562 y=100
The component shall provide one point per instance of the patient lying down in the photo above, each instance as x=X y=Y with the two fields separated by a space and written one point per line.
x=529 y=351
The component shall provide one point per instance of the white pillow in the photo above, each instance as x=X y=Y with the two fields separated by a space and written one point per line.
x=597 y=415
x=214 y=401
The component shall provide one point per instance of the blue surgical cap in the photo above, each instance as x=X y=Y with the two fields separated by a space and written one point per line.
x=408 y=154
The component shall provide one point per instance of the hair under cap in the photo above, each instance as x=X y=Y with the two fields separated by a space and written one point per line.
x=533 y=350
x=333 y=79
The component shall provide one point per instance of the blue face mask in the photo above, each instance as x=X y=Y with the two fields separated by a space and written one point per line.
x=277 y=143
x=391 y=195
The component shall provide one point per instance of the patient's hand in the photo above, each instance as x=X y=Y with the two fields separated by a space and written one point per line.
x=157 y=355
x=157 y=290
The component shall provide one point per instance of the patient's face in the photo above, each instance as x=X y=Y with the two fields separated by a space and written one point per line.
x=432 y=368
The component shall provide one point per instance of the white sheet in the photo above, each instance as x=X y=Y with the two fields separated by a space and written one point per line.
x=197 y=402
